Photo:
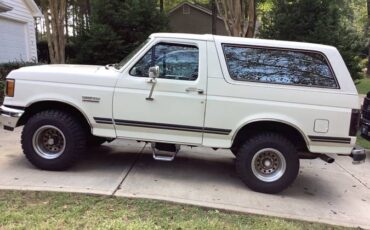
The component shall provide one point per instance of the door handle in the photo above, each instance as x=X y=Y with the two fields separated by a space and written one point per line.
x=193 y=89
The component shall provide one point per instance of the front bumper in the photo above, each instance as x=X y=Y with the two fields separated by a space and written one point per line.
x=9 y=117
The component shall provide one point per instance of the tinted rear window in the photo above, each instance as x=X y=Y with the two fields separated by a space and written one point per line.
x=279 y=66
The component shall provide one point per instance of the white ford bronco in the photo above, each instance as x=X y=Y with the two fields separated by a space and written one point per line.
x=271 y=103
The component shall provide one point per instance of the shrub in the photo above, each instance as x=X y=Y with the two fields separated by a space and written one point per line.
x=5 y=69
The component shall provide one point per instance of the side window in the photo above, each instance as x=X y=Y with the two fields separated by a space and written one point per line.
x=175 y=61
x=279 y=66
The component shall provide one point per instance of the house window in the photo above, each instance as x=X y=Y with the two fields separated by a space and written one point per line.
x=175 y=61
x=185 y=9
x=279 y=66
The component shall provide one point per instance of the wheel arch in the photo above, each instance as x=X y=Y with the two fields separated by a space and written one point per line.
x=283 y=127
x=42 y=105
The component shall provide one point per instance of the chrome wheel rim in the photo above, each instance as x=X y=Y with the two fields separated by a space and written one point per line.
x=268 y=165
x=49 y=142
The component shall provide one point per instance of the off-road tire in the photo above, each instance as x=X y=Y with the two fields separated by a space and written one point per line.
x=261 y=141
x=73 y=131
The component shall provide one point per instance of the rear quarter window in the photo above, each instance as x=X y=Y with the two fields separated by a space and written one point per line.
x=279 y=66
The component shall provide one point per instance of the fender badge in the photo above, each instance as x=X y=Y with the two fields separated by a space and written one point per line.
x=90 y=99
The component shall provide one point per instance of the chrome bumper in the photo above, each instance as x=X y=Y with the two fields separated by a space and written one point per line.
x=358 y=155
x=9 y=117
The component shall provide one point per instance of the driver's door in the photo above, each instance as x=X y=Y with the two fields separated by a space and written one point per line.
x=176 y=113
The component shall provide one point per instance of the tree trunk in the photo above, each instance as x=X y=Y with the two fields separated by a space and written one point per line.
x=368 y=28
x=214 y=17
x=252 y=19
x=89 y=10
x=54 y=14
x=161 y=6
x=37 y=30
x=233 y=12
x=66 y=21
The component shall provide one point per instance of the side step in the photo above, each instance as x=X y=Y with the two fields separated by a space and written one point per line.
x=170 y=149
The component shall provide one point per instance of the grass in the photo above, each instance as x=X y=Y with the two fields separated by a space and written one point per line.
x=362 y=142
x=46 y=210
x=363 y=86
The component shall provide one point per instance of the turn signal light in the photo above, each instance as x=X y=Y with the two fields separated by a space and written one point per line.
x=10 y=87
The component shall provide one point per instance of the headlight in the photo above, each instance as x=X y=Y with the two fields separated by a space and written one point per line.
x=10 y=87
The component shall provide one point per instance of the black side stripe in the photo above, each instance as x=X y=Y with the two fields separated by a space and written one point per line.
x=163 y=126
x=101 y=120
x=341 y=140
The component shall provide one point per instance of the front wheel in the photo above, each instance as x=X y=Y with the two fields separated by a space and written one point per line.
x=267 y=163
x=53 y=140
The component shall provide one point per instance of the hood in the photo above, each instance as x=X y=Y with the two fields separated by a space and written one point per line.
x=74 y=74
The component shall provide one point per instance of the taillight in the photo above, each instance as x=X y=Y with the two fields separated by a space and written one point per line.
x=355 y=122
x=10 y=87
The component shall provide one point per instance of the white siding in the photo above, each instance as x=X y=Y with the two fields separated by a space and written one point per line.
x=20 y=13
x=14 y=41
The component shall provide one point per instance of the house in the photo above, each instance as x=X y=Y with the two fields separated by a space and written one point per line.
x=17 y=30
x=193 y=18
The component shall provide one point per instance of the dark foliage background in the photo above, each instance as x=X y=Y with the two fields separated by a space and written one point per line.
x=316 y=21
x=116 y=28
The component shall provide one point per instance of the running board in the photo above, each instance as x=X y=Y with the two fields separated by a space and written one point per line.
x=170 y=149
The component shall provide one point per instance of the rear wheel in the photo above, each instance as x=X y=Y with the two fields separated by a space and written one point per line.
x=53 y=140
x=267 y=162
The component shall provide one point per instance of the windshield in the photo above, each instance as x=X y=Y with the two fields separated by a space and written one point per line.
x=130 y=55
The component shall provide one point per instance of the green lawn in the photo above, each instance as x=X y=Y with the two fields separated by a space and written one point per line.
x=362 y=142
x=363 y=86
x=46 y=210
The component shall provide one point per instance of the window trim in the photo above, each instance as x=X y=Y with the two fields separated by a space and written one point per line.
x=281 y=49
x=166 y=43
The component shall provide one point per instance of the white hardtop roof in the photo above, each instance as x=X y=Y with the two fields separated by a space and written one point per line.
x=247 y=41
x=204 y=37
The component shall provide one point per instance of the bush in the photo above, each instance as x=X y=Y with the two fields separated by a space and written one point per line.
x=5 y=69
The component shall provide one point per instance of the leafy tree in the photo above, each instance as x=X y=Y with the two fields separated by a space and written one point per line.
x=116 y=28
x=54 y=17
x=316 y=21
x=239 y=16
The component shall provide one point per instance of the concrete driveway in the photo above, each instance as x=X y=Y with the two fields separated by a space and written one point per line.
x=336 y=194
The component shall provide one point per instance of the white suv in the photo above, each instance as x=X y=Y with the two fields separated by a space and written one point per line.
x=269 y=102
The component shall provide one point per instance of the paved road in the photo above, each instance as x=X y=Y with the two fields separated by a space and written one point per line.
x=336 y=194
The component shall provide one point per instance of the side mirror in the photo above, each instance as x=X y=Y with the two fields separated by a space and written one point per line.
x=154 y=72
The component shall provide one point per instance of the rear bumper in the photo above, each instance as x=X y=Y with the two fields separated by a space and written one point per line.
x=9 y=117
